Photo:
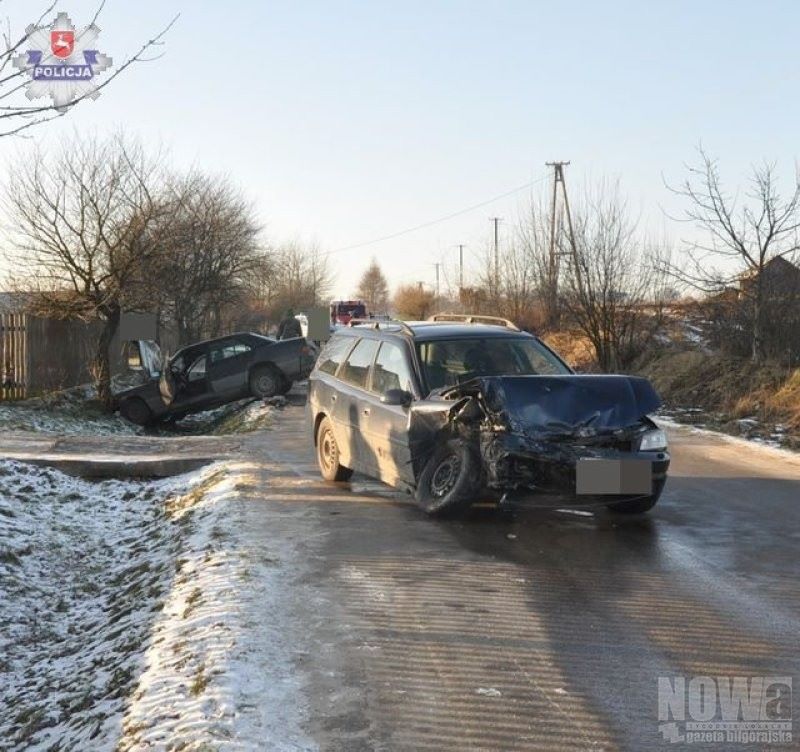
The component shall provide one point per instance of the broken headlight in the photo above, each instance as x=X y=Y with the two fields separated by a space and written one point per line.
x=652 y=441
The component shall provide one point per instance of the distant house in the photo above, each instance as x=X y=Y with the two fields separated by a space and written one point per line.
x=780 y=278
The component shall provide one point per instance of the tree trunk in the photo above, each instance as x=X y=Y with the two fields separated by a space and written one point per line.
x=102 y=362
x=758 y=312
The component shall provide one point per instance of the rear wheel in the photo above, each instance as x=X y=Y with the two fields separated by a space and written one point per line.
x=136 y=411
x=266 y=381
x=447 y=484
x=328 y=454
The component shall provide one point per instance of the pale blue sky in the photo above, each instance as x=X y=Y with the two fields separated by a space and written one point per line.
x=345 y=121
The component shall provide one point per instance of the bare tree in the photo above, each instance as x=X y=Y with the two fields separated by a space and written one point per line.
x=613 y=292
x=741 y=236
x=15 y=118
x=293 y=275
x=414 y=302
x=86 y=225
x=211 y=250
x=373 y=288
x=542 y=280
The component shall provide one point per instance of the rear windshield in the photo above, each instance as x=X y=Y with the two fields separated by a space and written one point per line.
x=449 y=362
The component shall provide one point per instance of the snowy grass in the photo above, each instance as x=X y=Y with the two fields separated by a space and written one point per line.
x=128 y=617
x=76 y=412
x=70 y=412
x=237 y=417
x=83 y=569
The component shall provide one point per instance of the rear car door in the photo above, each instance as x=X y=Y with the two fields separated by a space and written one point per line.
x=353 y=407
x=228 y=362
x=386 y=426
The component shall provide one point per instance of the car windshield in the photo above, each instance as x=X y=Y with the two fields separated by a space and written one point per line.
x=450 y=362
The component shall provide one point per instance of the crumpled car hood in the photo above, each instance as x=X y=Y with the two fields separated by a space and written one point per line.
x=570 y=405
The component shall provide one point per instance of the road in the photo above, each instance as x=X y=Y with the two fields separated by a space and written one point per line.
x=540 y=630
x=368 y=626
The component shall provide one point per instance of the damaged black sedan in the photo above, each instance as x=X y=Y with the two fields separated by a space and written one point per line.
x=208 y=374
x=466 y=408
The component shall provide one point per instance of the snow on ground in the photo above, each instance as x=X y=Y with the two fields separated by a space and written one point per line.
x=70 y=412
x=74 y=412
x=237 y=417
x=750 y=430
x=124 y=607
x=773 y=450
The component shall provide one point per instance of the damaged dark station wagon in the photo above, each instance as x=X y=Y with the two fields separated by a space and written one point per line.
x=465 y=408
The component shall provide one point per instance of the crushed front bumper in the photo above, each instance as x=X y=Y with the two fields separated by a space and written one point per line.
x=547 y=474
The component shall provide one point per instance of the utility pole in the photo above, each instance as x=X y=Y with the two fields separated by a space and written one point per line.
x=437 y=265
x=552 y=271
x=497 y=221
x=460 y=267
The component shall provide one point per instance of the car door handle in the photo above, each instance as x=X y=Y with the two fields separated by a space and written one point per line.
x=366 y=411
x=333 y=398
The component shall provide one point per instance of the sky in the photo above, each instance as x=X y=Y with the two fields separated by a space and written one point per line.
x=345 y=122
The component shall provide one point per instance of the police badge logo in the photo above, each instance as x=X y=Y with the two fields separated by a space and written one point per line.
x=62 y=63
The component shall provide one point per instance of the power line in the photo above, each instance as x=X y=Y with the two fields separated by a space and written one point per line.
x=436 y=221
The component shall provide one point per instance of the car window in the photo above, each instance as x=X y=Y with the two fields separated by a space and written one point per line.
x=197 y=370
x=334 y=353
x=356 y=368
x=391 y=370
x=229 y=349
x=449 y=362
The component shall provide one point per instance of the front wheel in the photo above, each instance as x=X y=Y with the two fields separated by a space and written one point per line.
x=136 y=411
x=266 y=381
x=448 y=482
x=328 y=454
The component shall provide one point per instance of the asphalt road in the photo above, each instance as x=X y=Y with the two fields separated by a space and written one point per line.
x=540 y=630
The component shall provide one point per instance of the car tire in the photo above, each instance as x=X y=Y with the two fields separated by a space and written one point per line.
x=635 y=506
x=328 y=454
x=449 y=480
x=136 y=411
x=266 y=381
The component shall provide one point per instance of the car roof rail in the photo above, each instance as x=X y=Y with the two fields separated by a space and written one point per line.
x=376 y=324
x=474 y=318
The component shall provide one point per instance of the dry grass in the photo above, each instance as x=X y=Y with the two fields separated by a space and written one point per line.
x=573 y=347
x=734 y=386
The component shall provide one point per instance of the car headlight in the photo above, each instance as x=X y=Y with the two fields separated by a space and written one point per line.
x=653 y=440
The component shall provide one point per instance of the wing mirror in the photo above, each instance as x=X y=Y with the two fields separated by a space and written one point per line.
x=397 y=397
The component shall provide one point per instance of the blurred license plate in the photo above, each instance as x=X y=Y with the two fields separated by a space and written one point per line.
x=601 y=476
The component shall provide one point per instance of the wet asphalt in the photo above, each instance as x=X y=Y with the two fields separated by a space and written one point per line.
x=532 y=630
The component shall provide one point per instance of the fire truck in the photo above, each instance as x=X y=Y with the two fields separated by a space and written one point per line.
x=344 y=310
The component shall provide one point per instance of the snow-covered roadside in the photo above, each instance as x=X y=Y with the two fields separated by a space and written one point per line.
x=768 y=449
x=125 y=610
x=214 y=678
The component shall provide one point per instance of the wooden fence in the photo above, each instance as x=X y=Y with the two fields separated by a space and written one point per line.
x=39 y=355
x=13 y=355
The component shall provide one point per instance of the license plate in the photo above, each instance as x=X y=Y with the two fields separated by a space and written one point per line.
x=602 y=476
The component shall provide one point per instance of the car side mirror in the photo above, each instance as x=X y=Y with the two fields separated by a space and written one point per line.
x=397 y=397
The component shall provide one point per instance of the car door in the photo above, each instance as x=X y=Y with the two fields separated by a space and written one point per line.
x=228 y=362
x=352 y=407
x=193 y=387
x=386 y=426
